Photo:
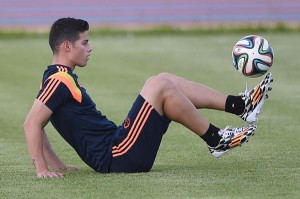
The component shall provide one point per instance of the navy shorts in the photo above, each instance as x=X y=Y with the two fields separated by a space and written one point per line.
x=136 y=142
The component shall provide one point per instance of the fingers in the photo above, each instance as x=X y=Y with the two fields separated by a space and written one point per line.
x=68 y=168
x=49 y=174
x=56 y=174
x=71 y=168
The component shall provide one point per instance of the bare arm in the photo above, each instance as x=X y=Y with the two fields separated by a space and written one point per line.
x=52 y=158
x=34 y=125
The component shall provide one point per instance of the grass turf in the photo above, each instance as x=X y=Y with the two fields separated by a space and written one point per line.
x=266 y=167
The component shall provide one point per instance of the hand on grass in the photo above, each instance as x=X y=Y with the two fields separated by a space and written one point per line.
x=56 y=174
x=62 y=167
x=49 y=174
x=70 y=168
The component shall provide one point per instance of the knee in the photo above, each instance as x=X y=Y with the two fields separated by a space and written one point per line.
x=166 y=76
x=157 y=89
x=160 y=81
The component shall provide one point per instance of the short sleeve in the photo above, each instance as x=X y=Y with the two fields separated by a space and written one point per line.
x=58 y=89
x=53 y=94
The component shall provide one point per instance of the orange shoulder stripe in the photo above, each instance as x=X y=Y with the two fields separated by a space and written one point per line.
x=50 y=86
x=70 y=83
x=51 y=90
x=57 y=78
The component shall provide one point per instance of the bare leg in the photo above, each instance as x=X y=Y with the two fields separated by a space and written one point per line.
x=200 y=95
x=179 y=99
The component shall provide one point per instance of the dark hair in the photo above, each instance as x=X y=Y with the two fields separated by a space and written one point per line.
x=66 y=29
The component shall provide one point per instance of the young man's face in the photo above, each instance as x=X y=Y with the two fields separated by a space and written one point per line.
x=81 y=50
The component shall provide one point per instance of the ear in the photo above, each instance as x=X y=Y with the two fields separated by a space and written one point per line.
x=66 y=46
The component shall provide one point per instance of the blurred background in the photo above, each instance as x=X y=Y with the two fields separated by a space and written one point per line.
x=39 y=14
x=266 y=168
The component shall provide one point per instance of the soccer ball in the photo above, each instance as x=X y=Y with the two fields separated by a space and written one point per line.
x=252 y=56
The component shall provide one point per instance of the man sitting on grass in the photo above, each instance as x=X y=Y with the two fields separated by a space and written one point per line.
x=132 y=146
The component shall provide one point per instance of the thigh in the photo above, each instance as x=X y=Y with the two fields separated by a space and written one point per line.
x=137 y=141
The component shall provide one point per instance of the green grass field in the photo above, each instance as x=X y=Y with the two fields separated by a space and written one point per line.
x=266 y=167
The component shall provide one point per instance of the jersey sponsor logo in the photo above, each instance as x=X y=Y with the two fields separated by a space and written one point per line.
x=54 y=81
x=134 y=132
x=126 y=123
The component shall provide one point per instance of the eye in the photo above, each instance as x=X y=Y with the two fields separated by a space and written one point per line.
x=85 y=42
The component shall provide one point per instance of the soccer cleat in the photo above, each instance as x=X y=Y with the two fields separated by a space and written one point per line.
x=255 y=98
x=231 y=138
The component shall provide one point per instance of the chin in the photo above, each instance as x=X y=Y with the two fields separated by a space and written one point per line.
x=81 y=65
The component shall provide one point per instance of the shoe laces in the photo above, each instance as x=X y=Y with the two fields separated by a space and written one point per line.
x=246 y=93
x=230 y=132
x=227 y=132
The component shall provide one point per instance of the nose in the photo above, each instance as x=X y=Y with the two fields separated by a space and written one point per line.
x=89 y=48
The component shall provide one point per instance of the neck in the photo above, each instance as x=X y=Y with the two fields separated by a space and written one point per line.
x=58 y=61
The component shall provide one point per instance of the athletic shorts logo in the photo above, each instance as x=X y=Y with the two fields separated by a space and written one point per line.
x=127 y=123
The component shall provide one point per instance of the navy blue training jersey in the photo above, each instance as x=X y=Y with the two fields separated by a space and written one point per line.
x=76 y=118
